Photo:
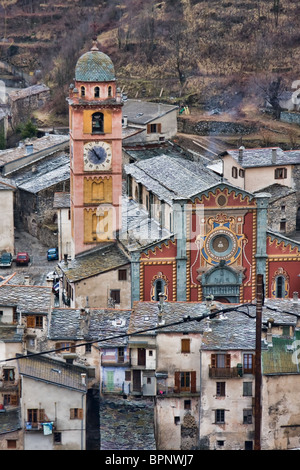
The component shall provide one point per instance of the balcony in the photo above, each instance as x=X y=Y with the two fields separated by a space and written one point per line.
x=225 y=372
x=45 y=427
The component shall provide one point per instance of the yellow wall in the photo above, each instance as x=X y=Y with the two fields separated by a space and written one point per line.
x=98 y=224
x=97 y=190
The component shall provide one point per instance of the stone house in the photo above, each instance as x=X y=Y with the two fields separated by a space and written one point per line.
x=102 y=275
x=149 y=122
x=53 y=404
x=26 y=100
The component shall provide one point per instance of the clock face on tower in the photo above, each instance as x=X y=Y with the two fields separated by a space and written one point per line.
x=97 y=156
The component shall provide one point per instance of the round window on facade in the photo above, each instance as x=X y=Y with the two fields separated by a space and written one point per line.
x=221 y=244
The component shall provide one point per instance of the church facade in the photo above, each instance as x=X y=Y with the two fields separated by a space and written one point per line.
x=188 y=234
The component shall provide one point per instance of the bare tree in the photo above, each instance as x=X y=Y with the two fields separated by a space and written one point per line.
x=271 y=90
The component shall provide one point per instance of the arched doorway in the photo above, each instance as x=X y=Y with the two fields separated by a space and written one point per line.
x=223 y=282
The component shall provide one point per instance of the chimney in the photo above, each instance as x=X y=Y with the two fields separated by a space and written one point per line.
x=241 y=154
x=29 y=149
x=274 y=155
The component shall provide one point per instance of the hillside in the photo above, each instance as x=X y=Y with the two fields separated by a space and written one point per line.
x=205 y=53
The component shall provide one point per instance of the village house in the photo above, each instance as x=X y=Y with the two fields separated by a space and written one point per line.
x=145 y=122
x=61 y=203
x=24 y=101
x=53 y=404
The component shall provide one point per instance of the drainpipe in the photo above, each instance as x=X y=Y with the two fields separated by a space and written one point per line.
x=258 y=372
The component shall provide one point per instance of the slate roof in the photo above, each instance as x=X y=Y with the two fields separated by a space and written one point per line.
x=277 y=191
x=94 y=66
x=101 y=259
x=103 y=325
x=235 y=330
x=39 y=144
x=11 y=334
x=27 y=299
x=10 y=420
x=261 y=157
x=52 y=371
x=29 y=91
x=142 y=112
x=172 y=178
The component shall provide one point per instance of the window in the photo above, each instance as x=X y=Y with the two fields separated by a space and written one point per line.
x=248 y=445
x=280 y=173
x=57 y=437
x=127 y=375
x=187 y=404
x=121 y=354
x=8 y=375
x=241 y=173
x=122 y=274
x=97 y=123
x=96 y=92
x=247 y=389
x=219 y=416
x=82 y=91
x=185 y=382
x=282 y=226
x=185 y=345
x=176 y=419
x=35 y=321
x=115 y=296
x=65 y=347
x=248 y=363
x=109 y=91
x=234 y=172
x=76 y=413
x=220 y=360
x=220 y=443
x=141 y=357
x=220 y=389
x=154 y=128
x=280 y=284
x=11 y=444
x=10 y=400
x=88 y=348
x=247 y=416
x=148 y=380
x=35 y=415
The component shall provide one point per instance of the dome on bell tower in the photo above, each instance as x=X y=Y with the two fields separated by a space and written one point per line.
x=94 y=66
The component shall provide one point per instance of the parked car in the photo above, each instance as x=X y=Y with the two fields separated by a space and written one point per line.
x=22 y=258
x=52 y=254
x=6 y=260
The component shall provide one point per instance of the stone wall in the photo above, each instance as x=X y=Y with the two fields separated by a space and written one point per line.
x=292 y=118
x=216 y=127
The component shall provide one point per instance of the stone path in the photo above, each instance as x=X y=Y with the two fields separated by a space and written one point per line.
x=126 y=424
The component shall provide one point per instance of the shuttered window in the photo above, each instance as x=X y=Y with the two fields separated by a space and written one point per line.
x=76 y=413
x=220 y=360
x=185 y=345
x=185 y=381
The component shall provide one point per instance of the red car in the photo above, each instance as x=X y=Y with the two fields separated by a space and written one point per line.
x=22 y=258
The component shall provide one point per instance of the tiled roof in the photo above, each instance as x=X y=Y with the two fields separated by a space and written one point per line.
x=52 y=371
x=109 y=256
x=28 y=299
x=142 y=112
x=94 y=66
x=261 y=157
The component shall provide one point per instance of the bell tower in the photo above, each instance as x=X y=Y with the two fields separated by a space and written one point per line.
x=95 y=115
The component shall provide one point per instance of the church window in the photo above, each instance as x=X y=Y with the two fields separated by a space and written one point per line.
x=97 y=123
x=82 y=91
x=96 y=92
x=280 y=281
x=109 y=91
x=97 y=191
x=159 y=288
